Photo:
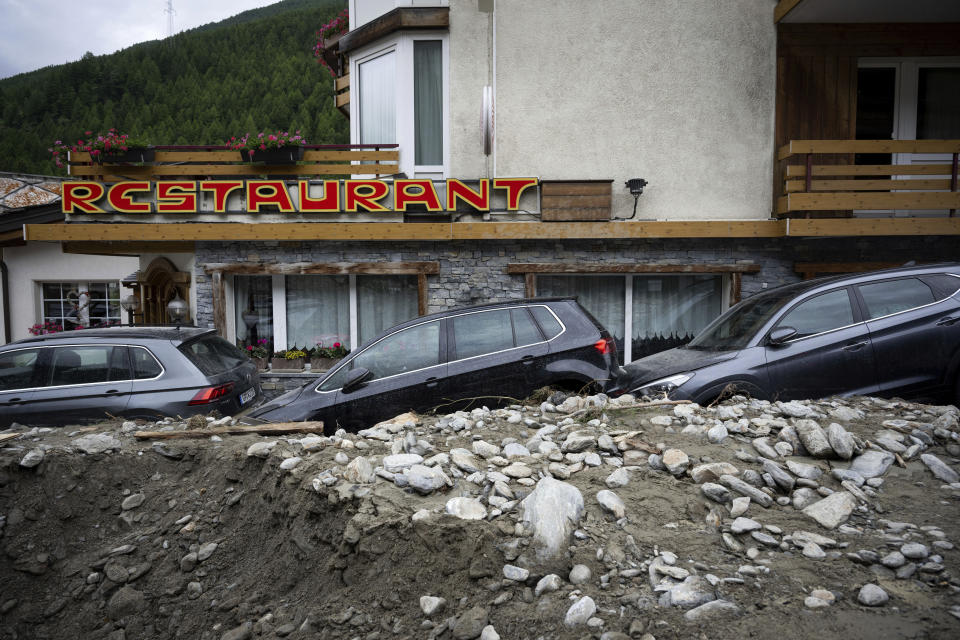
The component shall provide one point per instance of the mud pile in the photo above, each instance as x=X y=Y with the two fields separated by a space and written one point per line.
x=721 y=522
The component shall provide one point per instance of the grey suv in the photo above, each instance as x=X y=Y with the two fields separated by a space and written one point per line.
x=891 y=332
x=134 y=372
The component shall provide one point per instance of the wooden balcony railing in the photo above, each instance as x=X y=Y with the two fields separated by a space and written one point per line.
x=827 y=179
x=172 y=162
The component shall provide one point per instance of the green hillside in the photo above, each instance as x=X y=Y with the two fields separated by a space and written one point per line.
x=249 y=73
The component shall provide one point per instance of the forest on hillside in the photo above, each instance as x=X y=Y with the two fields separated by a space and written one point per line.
x=253 y=72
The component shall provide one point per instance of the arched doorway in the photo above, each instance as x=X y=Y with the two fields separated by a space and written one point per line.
x=159 y=284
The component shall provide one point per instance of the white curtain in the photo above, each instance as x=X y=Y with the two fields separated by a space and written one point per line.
x=428 y=101
x=378 y=105
x=602 y=296
x=318 y=311
x=669 y=310
x=938 y=103
x=383 y=301
x=254 y=293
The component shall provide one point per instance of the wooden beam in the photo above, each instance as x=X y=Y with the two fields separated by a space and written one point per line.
x=567 y=267
x=399 y=18
x=12 y=238
x=800 y=171
x=575 y=188
x=146 y=172
x=314 y=426
x=797 y=147
x=293 y=231
x=422 y=292
x=844 y=227
x=325 y=268
x=736 y=287
x=798 y=186
x=783 y=8
x=127 y=248
x=342 y=99
x=615 y=230
x=530 y=285
x=219 y=303
x=835 y=201
x=341 y=83
x=842 y=267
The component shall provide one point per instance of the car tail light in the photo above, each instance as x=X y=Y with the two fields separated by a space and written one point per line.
x=602 y=345
x=211 y=394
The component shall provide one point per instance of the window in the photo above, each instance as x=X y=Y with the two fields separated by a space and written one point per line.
x=145 y=365
x=548 y=322
x=318 y=311
x=87 y=365
x=524 y=330
x=479 y=333
x=81 y=304
x=428 y=102
x=377 y=98
x=212 y=354
x=408 y=350
x=254 y=310
x=17 y=369
x=894 y=296
x=665 y=311
x=825 y=312
x=384 y=301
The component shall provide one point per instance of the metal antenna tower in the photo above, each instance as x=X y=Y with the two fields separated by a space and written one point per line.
x=169 y=11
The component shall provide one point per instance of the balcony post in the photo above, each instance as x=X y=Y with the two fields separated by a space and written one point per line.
x=953 y=180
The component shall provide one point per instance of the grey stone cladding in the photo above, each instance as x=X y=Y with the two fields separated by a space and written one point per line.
x=473 y=272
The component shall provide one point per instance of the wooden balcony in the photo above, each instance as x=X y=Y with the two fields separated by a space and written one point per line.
x=823 y=179
x=193 y=162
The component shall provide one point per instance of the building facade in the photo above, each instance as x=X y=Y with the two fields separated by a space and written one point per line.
x=677 y=158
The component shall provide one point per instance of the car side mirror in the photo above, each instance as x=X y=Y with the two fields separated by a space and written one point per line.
x=355 y=379
x=781 y=335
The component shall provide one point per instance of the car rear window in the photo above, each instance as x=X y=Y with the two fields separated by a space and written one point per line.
x=145 y=365
x=17 y=369
x=550 y=325
x=524 y=328
x=212 y=354
x=894 y=296
x=944 y=285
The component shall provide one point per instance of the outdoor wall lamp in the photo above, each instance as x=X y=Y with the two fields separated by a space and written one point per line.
x=130 y=304
x=636 y=186
x=178 y=310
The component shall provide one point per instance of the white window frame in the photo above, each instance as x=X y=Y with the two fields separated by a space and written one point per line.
x=402 y=45
x=80 y=285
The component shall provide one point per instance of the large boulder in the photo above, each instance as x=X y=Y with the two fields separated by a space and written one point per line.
x=551 y=512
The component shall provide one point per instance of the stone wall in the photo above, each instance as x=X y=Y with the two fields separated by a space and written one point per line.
x=473 y=272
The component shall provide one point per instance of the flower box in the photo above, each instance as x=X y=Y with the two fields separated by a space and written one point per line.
x=323 y=364
x=130 y=155
x=287 y=364
x=261 y=363
x=283 y=155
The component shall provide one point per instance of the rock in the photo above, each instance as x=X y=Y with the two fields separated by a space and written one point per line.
x=813 y=551
x=569 y=405
x=606 y=443
x=432 y=604
x=559 y=471
x=915 y=551
x=893 y=560
x=426 y=480
x=710 y=610
x=126 y=602
x=359 y=471
x=846 y=414
x=872 y=463
x=716 y=492
x=814 y=438
x=32 y=458
x=489 y=633
x=577 y=441
x=580 y=574
x=762 y=446
x=676 y=461
x=485 y=449
x=939 y=468
x=399 y=461
x=518 y=470
x=243 y=632
x=515 y=450
x=552 y=511
x=133 y=501
x=711 y=472
x=803 y=470
x=517 y=574
x=188 y=562
x=872 y=596
x=745 y=489
x=617 y=479
x=96 y=443
x=692 y=592
x=832 y=510
x=341 y=458
x=194 y=590
x=470 y=625
x=803 y=498
x=464 y=460
x=780 y=476
x=260 y=449
x=205 y=551
x=794 y=409
x=466 y=509
x=580 y=611
x=548 y=583
x=841 y=441
x=739 y=506
x=612 y=503
x=290 y=463
x=744 y=525
x=717 y=434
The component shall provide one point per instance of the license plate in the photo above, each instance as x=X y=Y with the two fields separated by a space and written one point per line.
x=248 y=395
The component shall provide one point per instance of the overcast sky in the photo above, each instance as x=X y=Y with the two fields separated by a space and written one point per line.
x=39 y=33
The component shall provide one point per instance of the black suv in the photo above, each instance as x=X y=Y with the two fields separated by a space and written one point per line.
x=891 y=332
x=135 y=372
x=478 y=355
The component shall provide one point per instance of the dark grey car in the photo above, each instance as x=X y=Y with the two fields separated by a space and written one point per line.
x=134 y=372
x=891 y=332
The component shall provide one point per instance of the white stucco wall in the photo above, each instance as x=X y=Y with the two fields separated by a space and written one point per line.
x=679 y=93
x=38 y=262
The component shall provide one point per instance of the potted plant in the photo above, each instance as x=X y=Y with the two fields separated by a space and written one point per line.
x=290 y=360
x=272 y=148
x=326 y=37
x=111 y=147
x=324 y=358
x=258 y=353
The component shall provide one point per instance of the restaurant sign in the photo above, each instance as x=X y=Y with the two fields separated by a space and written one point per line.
x=301 y=196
